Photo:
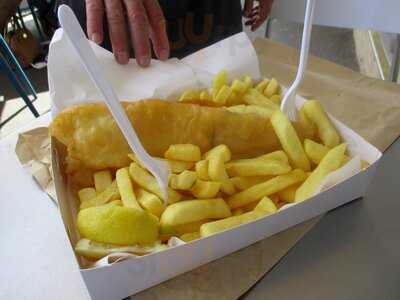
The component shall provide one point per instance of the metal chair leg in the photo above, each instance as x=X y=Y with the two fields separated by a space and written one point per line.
x=268 y=27
x=5 y=49
x=17 y=85
x=35 y=19
x=394 y=68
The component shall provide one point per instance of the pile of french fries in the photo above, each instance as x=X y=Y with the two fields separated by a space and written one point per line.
x=209 y=192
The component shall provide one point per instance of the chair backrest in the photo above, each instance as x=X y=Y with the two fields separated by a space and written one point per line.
x=378 y=15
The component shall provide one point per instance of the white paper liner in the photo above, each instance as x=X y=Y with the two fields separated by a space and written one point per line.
x=120 y=256
x=69 y=83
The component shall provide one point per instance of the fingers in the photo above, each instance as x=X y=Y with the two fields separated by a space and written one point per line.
x=257 y=15
x=263 y=13
x=158 y=30
x=248 y=7
x=116 y=24
x=139 y=25
x=252 y=16
x=94 y=20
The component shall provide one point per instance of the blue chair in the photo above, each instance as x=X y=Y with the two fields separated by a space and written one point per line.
x=12 y=69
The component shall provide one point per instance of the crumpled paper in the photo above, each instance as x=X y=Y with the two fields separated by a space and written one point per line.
x=33 y=151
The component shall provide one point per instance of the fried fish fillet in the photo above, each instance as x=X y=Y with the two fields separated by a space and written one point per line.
x=94 y=139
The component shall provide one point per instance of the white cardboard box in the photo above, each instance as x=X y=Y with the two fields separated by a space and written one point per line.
x=132 y=275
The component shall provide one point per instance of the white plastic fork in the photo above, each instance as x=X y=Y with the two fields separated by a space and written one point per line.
x=72 y=28
x=288 y=105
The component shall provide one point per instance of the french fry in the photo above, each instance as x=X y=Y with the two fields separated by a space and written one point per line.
x=102 y=180
x=223 y=95
x=214 y=227
x=217 y=172
x=331 y=162
x=262 y=85
x=221 y=151
x=266 y=205
x=188 y=237
x=289 y=194
x=190 y=96
x=179 y=166
x=272 y=88
x=216 y=169
x=254 y=97
x=238 y=86
x=109 y=194
x=117 y=225
x=116 y=202
x=183 y=181
x=276 y=155
x=315 y=151
x=194 y=210
x=145 y=180
x=178 y=230
x=267 y=188
x=183 y=152
x=257 y=167
x=279 y=156
x=277 y=99
x=241 y=108
x=125 y=188
x=201 y=169
x=135 y=159
x=290 y=141
x=218 y=82
x=234 y=99
x=150 y=202
x=309 y=128
x=176 y=166
x=252 y=109
x=227 y=187
x=86 y=194
x=205 y=189
x=243 y=183
x=205 y=97
x=326 y=130
x=173 y=196
x=248 y=81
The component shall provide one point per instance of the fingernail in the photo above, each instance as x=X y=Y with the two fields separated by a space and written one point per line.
x=144 y=61
x=96 y=38
x=122 y=57
x=164 y=54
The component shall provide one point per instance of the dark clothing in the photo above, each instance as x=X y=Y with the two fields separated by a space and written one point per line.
x=191 y=24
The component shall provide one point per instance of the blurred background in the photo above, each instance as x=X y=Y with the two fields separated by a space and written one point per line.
x=27 y=27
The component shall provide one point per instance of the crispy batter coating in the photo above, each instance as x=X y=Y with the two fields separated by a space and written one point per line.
x=94 y=139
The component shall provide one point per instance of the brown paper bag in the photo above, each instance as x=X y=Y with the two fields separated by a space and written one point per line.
x=369 y=106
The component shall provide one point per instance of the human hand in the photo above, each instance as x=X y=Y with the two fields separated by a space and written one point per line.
x=256 y=15
x=146 y=23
